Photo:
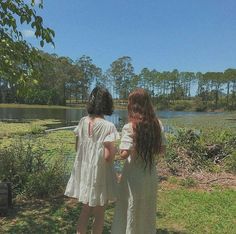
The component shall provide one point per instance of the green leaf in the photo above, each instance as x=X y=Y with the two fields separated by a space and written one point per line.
x=41 y=43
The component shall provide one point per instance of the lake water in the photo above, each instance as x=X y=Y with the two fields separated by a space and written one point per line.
x=69 y=117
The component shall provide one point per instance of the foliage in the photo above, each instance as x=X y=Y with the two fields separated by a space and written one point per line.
x=48 y=182
x=24 y=164
x=26 y=13
x=17 y=56
x=230 y=163
x=49 y=79
x=9 y=129
x=191 y=150
x=181 y=105
x=122 y=72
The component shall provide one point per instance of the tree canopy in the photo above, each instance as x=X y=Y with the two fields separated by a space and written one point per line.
x=17 y=56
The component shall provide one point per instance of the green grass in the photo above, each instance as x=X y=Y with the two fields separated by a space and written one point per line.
x=205 y=123
x=13 y=105
x=179 y=211
x=182 y=207
x=197 y=211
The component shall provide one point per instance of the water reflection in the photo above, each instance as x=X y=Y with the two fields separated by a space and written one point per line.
x=69 y=117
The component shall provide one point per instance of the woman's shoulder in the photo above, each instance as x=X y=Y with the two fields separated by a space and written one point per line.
x=127 y=125
x=83 y=119
x=108 y=123
x=127 y=128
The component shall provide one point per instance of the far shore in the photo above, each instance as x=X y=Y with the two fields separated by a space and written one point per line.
x=83 y=106
x=76 y=106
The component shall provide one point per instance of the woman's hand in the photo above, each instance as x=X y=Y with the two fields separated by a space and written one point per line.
x=124 y=154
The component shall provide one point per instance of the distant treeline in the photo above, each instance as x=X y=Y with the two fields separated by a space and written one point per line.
x=50 y=79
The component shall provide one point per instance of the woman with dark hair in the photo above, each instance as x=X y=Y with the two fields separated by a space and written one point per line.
x=141 y=142
x=92 y=180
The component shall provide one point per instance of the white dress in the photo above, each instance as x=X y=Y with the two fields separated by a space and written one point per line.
x=135 y=211
x=92 y=179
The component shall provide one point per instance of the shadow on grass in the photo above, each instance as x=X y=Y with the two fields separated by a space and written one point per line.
x=166 y=231
x=58 y=215
x=43 y=216
x=160 y=215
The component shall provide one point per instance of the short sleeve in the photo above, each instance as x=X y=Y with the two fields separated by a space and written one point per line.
x=126 y=138
x=78 y=127
x=113 y=135
x=163 y=136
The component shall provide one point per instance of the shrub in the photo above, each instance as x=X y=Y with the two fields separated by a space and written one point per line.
x=23 y=164
x=230 y=163
x=181 y=105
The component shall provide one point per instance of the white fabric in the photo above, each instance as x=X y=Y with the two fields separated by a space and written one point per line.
x=135 y=211
x=92 y=179
x=163 y=137
x=127 y=138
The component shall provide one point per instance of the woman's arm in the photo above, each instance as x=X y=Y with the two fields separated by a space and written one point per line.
x=109 y=151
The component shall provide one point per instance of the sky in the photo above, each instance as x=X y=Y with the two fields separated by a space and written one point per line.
x=188 y=35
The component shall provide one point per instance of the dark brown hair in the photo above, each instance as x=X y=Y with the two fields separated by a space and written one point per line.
x=146 y=127
x=100 y=102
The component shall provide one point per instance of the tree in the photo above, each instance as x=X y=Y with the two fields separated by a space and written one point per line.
x=214 y=81
x=89 y=72
x=229 y=79
x=122 y=72
x=17 y=55
x=12 y=10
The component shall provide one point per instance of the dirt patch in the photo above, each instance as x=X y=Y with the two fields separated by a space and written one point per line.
x=202 y=181
x=224 y=179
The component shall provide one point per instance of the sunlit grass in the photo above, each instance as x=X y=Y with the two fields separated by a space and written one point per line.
x=180 y=210
x=197 y=211
x=205 y=122
x=12 y=105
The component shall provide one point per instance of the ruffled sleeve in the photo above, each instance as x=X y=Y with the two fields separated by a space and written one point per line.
x=126 y=138
x=78 y=127
x=113 y=134
x=163 y=136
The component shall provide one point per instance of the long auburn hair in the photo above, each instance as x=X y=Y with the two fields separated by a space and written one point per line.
x=146 y=127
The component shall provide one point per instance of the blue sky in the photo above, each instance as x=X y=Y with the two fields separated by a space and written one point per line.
x=189 y=35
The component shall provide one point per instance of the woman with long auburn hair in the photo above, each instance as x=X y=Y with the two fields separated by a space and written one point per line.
x=142 y=141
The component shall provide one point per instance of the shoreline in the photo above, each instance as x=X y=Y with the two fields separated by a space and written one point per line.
x=82 y=106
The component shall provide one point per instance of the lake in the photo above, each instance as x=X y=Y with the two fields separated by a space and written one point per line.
x=69 y=117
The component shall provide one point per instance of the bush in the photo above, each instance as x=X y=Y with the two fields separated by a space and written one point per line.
x=181 y=105
x=23 y=164
x=191 y=150
x=230 y=163
x=47 y=182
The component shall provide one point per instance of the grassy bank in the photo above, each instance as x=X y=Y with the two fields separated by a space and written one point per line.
x=180 y=210
x=12 y=105
x=117 y=106
x=189 y=201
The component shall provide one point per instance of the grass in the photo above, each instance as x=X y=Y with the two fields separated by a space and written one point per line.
x=182 y=206
x=180 y=210
x=196 y=212
x=13 y=105
x=205 y=123
x=117 y=106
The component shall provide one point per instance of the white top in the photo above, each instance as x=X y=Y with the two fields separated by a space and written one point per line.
x=92 y=179
x=135 y=211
